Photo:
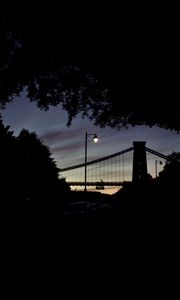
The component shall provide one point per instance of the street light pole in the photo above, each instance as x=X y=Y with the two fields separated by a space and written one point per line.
x=156 y=161
x=95 y=139
x=156 y=168
x=85 y=174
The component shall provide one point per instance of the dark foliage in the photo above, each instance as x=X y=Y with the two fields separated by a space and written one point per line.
x=29 y=176
x=171 y=172
x=118 y=66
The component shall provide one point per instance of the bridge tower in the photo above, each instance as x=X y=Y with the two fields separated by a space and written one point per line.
x=139 y=162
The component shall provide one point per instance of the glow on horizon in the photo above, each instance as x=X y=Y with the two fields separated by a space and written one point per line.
x=109 y=191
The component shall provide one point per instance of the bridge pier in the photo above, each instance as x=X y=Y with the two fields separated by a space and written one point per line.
x=139 y=162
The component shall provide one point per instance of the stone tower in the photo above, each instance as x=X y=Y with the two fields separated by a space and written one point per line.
x=139 y=162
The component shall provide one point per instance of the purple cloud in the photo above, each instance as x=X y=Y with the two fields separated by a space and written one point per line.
x=66 y=148
x=57 y=135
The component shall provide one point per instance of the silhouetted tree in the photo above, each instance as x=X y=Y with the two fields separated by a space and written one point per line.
x=7 y=162
x=28 y=173
x=171 y=170
x=117 y=73
x=39 y=173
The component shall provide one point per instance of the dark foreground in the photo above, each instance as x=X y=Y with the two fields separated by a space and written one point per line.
x=107 y=255
x=132 y=250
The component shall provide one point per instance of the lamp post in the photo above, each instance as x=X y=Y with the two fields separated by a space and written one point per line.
x=157 y=161
x=95 y=139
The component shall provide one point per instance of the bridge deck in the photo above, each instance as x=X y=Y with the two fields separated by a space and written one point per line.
x=76 y=183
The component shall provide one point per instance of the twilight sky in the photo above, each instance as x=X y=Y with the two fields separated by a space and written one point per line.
x=67 y=143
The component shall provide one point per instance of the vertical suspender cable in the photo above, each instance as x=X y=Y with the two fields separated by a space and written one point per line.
x=123 y=166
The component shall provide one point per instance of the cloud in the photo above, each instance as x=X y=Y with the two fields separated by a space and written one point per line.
x=57 y=135
x=67 y=148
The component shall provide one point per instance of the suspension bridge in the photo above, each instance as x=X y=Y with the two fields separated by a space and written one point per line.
x=114 y=169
